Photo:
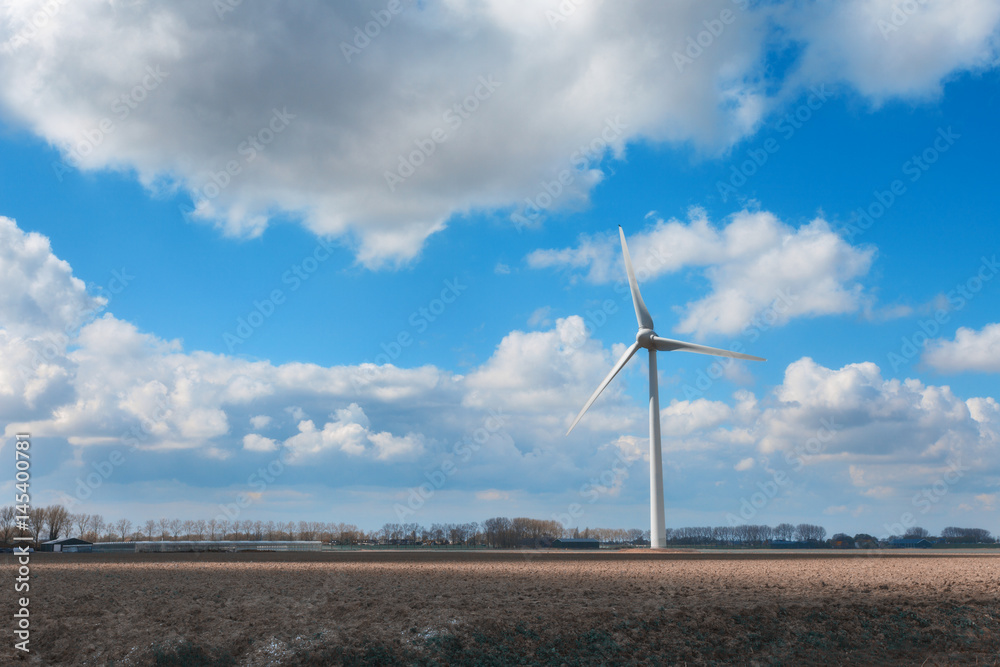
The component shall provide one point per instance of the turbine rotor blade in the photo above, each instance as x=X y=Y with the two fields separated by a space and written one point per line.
x=607 y=380
x=641 y=313
x=669 y=345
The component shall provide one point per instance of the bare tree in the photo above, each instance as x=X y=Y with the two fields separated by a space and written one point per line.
x=96 y=527
x=123 y=527
x=58 y=519
x=164 y=525
x=212 y=525
x=150 y=529
x=7 y=523
x=784 y=531
x=916 y=532
x=82 y=522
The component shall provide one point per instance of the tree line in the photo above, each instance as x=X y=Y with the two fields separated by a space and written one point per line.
x=55 y=521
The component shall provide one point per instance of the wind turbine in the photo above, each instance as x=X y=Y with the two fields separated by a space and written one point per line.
x=648 y=339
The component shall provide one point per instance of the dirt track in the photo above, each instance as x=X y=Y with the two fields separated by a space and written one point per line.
x=496 y=608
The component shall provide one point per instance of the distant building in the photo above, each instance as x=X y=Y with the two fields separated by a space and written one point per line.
x=910 y=543
x=576 y=543
x=67 y=544
x=789 y=544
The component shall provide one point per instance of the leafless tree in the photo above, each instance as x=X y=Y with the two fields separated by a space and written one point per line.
x=784 y=531
x=7 y=523
x=123 y=527
x=96 y=527
x=82 y=522
x=149 y=528
x=58 y=519
x=212 y=525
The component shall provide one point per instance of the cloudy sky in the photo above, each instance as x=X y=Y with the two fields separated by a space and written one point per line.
x=360 y=264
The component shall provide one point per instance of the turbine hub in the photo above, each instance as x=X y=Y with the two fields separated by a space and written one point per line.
x=645 y=338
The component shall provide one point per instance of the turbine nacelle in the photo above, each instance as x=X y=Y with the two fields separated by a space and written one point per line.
x=644 y=338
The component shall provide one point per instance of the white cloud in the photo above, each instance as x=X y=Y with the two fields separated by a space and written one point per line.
x=492 y=495
x=757 y=266
x=350 y=433
x=116 y=385
x=855 y=410
x=176 y=94
x=885 y=48
x=540 y=317
x=970 y=351
x=989 y=501
x=260 y=421
x=40 y=293
x=256 y=443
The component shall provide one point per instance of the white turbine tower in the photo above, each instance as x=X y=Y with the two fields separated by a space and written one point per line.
x=648 y=339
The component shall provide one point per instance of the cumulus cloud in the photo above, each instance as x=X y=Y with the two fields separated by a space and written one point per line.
x=465 y=104
x=755 y=264
x=970 y=351
x=256 y=443
x=503 y=420
x=40 y=295
x=885 y=48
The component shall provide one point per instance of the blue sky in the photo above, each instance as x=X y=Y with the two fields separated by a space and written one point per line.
x=357 y=329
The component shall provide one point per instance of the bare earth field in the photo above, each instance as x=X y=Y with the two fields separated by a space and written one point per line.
x=368 y=608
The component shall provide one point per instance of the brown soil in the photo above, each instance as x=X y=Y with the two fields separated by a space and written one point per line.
x=505 y=608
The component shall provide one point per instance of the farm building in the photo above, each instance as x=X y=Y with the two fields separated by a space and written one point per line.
x=789 y=544
x=910 y=543
x=67 y=544
x=207 y=545
x=576 y=543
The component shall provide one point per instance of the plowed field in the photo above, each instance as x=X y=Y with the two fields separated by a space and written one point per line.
x=508 y=608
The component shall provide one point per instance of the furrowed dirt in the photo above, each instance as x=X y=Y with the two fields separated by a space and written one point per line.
x=504 y=608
